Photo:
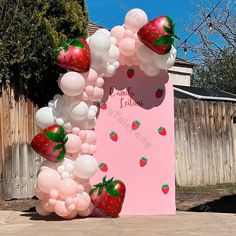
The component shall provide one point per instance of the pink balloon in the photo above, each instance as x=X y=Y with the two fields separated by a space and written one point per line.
x=135 y=19
x=73 y=144
x=47 y=206
x=85 y=148
x=72 y=83
x=118 y=33
x=48 y=179
x=91 y=137
x=40 y=194
x=61 y=210
x=83 y=201
x=87 y=211
x=71 y=215
x=92 y=149
x=127 y=47
x=76 y=130
x=128 y=34
x=40 y=210
x=91 y=76
x=67 y=188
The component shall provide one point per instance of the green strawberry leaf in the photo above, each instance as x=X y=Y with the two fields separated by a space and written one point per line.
x=55 y=137
x=65 y=139
x=110 y=188
x=163 y=40
x=61 y=156
x=77 y=43
x=169 y=21
x=58 y=147
x=100 y=190
x=168 y=30
x=61 y=131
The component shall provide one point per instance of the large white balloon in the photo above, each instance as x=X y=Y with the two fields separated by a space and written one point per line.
x=145 y=54
x=44 y=117
x=85 y=166
x=99 y=43
x=79 y=111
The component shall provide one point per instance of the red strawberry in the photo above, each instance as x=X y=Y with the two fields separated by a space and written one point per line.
x=130 y=73
x=108 y=197
x=103 y=167
x=143 y=161
x=158 y=34
x=162 y=131
x=102 y=105
x=50 y=143
x=74 y=55
x=113 y=136
x=165 y=188
x=159 y=92
x=135 y=124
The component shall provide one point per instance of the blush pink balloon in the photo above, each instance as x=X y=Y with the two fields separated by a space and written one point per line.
x=83 y=201
x=91 y=137
x=91 y=76
x=71 y=215
x=118 y=33
x=86 y=212
x=128 y=34
x=73 y=144
x=48 y=179
x=40 y=210
x=61 y=209
x=72 y=83
x=40 y=194
x=127 y=47
x=92 y=149
x=67 y=188
x=47 y=206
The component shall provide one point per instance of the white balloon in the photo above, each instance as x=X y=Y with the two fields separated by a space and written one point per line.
x=103 y=31
x=116 y=64
x=113 y=40
x=99 y=44
x=85 y=166
x=79 y=110
x=145 y=54
x=44 y=117
x=166 y=61
x=152 y=72
x=97 y=62
x=111 y=69
x=113 y=54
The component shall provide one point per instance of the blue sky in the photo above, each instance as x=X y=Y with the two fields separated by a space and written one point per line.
x=110 y=13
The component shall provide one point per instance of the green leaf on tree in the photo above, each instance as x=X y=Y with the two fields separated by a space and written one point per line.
x=55 y=137
x=163 y=40
x=61 y=155
x=77 y=43
x=110 y=188
x=167 y=29
x=169 y=21
x=58 y=147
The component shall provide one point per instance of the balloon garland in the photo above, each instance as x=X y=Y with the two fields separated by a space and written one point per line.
x=67 y=140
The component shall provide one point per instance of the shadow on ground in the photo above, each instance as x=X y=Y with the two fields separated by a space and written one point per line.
x=226 y=204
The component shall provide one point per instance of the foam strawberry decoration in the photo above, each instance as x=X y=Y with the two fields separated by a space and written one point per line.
x=135 y=124
x=103 y=167
x=159 y=93
x=102 y=105
x=130 y=73
x=143 y=161
x=165 y=188
x=74 y=55
x=162 y=131
x=113 y=136
x=158 y=34
x=108 y=197
x=50 y=143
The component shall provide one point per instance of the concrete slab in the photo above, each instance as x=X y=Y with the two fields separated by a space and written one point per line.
x=184 y=223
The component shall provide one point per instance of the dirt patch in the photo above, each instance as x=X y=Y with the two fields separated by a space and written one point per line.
x=217 y=198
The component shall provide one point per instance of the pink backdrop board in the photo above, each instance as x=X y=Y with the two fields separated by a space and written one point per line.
x=127 y=100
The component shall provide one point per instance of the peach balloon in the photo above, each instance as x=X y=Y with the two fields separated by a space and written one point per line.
x=91 y=137
x=118 y=33
x=71 y=215
x=61 y=209
x=73 y=144
x=48 y=179
x=86 y=212
x=83 y=201
x=40 y=194
x=127 y=47
x=67 y=188
x=47 y=206
x=40 y=210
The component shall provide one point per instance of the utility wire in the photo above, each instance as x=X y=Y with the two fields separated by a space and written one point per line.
x=209 y=15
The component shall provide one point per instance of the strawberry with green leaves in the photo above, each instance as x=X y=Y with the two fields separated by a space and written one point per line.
x=74 y=55
x=108 y=197
x=103 y=167
x=165 y=188
x=162 y=131
x=102 y=105
x=113 y=136
x=158 y=34
x=143 y=161
x=50 y=143
x=130 y=73
x=135 y=124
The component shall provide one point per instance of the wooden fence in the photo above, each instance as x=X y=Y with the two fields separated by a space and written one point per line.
x=205 y=142
x=18 y=163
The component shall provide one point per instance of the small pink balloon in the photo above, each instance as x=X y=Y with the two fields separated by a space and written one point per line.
x=83 y=134
x=127 y=47
x=91 y=137
x=40 y=194
x=97 y=94
x=54 y=194
x=76 y=130
x=72 y=83
x=83 y=201
x=40 y=210
x=52 y=202
x=61 y=209
x=47 y=206
x=69 y=201
x=48 y=179
x=71 y=215
x=92 y=149
x=128 y=34
x=80 y=188
x=91 y=76
x=86 y=212
x=100 y=82
x=89 y=89
x=73 y=144
x=67 y=188
x=85 y=148
x=118 y=33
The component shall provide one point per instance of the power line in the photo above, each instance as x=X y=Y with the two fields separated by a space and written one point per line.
x=209 y=15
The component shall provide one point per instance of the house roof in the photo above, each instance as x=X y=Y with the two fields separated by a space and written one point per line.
x=185 y=92
x=92 y=28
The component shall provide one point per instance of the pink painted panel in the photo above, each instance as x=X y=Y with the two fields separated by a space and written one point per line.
x=136 y=99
